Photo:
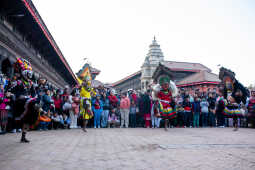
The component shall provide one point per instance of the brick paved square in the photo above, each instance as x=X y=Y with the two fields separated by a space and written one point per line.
x=128 y=149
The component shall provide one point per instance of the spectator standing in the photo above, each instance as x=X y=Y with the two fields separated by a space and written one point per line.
x=105 y=113
x=132 y=114
x=146 y=111
x=204 y=109
x=47 y=101
x=124 y=110
x=134 y=97
x=113 y=99
x=220 y=105
x=139 y=116
x=74 y=111
x=180 y=111
x=67 y=106
x=9 y=107
x=187 y=111
x=211 y=114
x=57 y=102
x=155 y=121
x=251 y=109
x=196 y=112
x=3 y=111
x=97 y=108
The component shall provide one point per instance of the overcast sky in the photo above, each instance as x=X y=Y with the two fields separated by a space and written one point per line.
x=115 y=34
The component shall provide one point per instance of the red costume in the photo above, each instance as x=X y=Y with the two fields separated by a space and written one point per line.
x=166 y=97
x=166 y=105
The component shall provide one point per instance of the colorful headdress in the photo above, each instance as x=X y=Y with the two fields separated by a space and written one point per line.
x=23 y=64
x=163 y=79
x=231 y=85
x=23 y=67
x=226 y=73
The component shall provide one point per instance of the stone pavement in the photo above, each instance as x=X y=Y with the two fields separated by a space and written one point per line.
x=129 y=149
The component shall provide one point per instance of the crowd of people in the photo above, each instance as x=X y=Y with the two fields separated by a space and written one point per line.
x=27 y=103
x=61 y=109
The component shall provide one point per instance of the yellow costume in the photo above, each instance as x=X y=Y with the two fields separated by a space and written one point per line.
x=85 y=93
x=85 y=99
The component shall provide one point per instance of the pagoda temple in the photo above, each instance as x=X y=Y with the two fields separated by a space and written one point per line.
x=188 y=76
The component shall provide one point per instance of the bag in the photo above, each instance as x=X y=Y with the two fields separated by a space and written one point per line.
x=44 y=119
x=8 y=107
x=137 y=110
x=67 y=106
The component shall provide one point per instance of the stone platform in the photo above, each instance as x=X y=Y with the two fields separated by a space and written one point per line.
x=130 y=149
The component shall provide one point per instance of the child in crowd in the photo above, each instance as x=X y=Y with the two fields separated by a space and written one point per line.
x=65 y=122
x=113 y=120
x=44 y=122
x=155 y=121
x=56 y=120
x=97 y=107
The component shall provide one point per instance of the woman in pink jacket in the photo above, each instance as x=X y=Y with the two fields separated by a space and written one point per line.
x=3 y=112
